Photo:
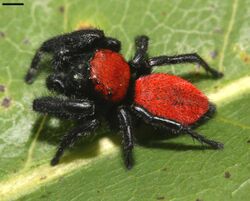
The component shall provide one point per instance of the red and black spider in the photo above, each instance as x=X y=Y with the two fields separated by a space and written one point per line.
x=95 y=80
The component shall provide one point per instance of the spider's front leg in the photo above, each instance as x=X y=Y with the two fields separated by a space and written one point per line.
x=128 y=138
x=78 y=109
x=64 y=108
x=64 y=44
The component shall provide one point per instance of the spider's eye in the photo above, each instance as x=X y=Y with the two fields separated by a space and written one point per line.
x=58 y=85
x=55 y=84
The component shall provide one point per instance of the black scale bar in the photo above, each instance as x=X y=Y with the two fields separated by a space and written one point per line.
x=12 y=4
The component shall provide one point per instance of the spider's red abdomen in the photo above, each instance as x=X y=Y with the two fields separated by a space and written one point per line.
x=170 y=97
x=110 y=74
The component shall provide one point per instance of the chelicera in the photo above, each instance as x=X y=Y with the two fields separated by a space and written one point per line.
x=94 y=80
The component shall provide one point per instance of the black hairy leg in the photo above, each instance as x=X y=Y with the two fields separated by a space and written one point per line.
x=183 y=58
x=141 y=44
x=66 y=59
x=139 y=63
x=202 y=139
x=127 y=133
x=82 y=130
x=143 y=65
x=64 y=108
x=173 y=126
x=65 y=46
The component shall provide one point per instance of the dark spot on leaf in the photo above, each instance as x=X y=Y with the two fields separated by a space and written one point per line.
x=163 y=13
x=26 y=41
x=214 y=54
x=248 y=141
x=218 y=30
x=160 y=198
x=98 y=191
x=164 y=169
x=198 y=199
x=2 y=34
x=227 y=175
x=2 y=88
x=43 y=177
x=213 y=6
x=6 y=102
x=61 y=9
x=245 y=57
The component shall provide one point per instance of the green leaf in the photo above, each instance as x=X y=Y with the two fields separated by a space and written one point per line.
x=165 y=169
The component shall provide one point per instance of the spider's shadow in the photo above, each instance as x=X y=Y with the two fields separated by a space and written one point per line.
x=84 y=148
x=146 y=136
x=149 y=137
x=195 y=77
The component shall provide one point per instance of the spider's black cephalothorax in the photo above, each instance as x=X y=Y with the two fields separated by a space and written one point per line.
x=95 y=80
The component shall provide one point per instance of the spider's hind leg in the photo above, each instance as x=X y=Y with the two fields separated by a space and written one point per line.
x=184 y=58
x=176 y=127
x=202 y=139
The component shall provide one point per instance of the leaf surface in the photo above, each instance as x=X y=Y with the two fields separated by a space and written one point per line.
x=166 y=167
